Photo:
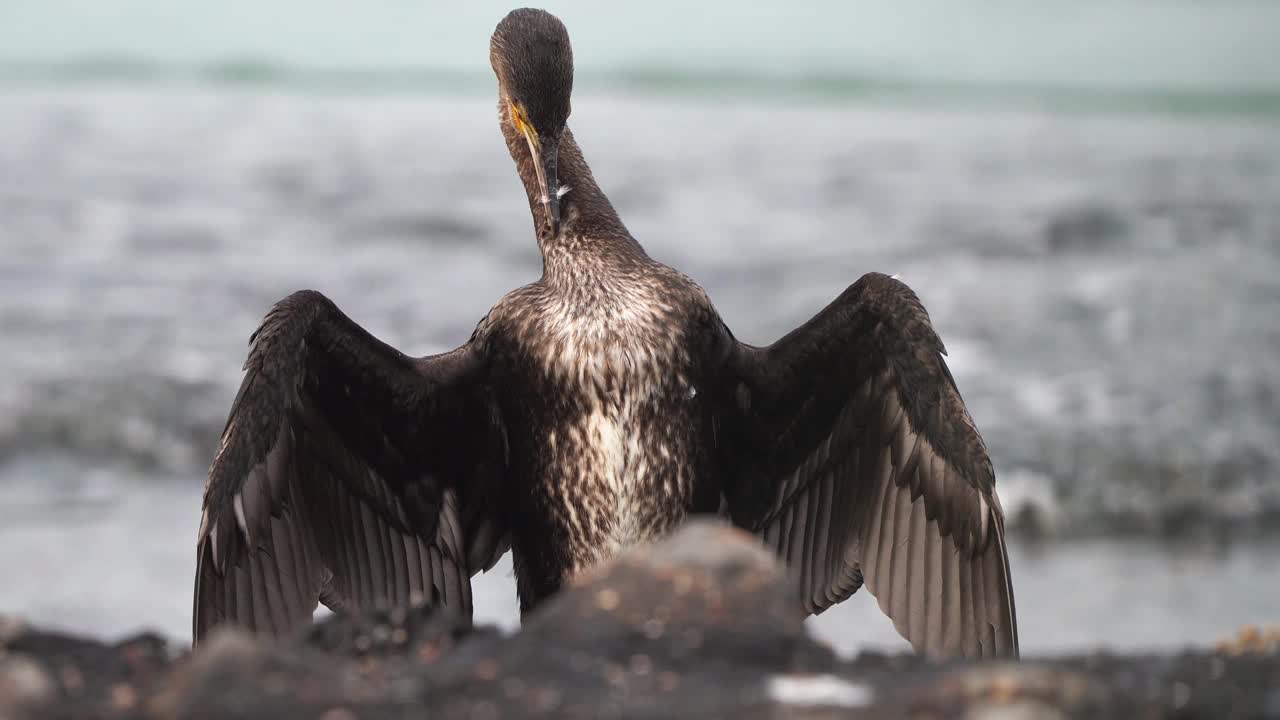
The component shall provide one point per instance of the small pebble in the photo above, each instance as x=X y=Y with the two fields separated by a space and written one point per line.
x=123 y=696
x=487 y=669
x=608 y=599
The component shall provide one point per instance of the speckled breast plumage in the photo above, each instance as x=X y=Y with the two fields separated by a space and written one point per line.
x=605 y=440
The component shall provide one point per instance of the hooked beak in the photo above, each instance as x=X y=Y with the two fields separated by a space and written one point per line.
x=545 y=158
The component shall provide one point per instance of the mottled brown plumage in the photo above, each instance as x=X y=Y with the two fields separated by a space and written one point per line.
x=591 y=410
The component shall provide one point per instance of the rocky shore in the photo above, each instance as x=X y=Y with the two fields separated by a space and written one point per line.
x=697 y=626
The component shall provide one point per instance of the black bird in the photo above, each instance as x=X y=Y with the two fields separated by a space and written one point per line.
x=591 y=410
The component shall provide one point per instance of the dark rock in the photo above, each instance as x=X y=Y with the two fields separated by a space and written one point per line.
x=236 y=676
x=693 y=627
x=701 y=625
x=71 y=677
x=425 y=633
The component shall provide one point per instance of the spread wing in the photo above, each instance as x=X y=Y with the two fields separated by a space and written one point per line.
x=347 y=473
x=854 y=457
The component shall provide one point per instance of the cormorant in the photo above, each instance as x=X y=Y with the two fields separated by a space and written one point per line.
x=591 y=410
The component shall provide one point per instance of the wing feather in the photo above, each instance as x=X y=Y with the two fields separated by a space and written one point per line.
x=918 y=579
x=952 y=629
x=287 y=583
x=413 y=572
x=936 y=597
x=360 y=567
x=983 y=622
x=338 y=474
x=858 y=462
x=971 y=629
x=258 y=591
x=825 y=550
x=399 y=569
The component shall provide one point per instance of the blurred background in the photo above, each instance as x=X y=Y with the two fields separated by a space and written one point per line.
x=1085 y=194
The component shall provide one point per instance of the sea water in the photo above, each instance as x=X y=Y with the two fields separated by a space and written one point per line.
x=1095 y=232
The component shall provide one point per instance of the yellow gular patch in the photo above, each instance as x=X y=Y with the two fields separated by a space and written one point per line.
x=521 y=121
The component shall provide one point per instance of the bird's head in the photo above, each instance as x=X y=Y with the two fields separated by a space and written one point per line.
x=531 y=56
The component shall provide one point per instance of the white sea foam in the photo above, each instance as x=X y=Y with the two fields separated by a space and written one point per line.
x=819 y=690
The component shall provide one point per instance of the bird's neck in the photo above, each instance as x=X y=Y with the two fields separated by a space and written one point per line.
x=586 y=215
